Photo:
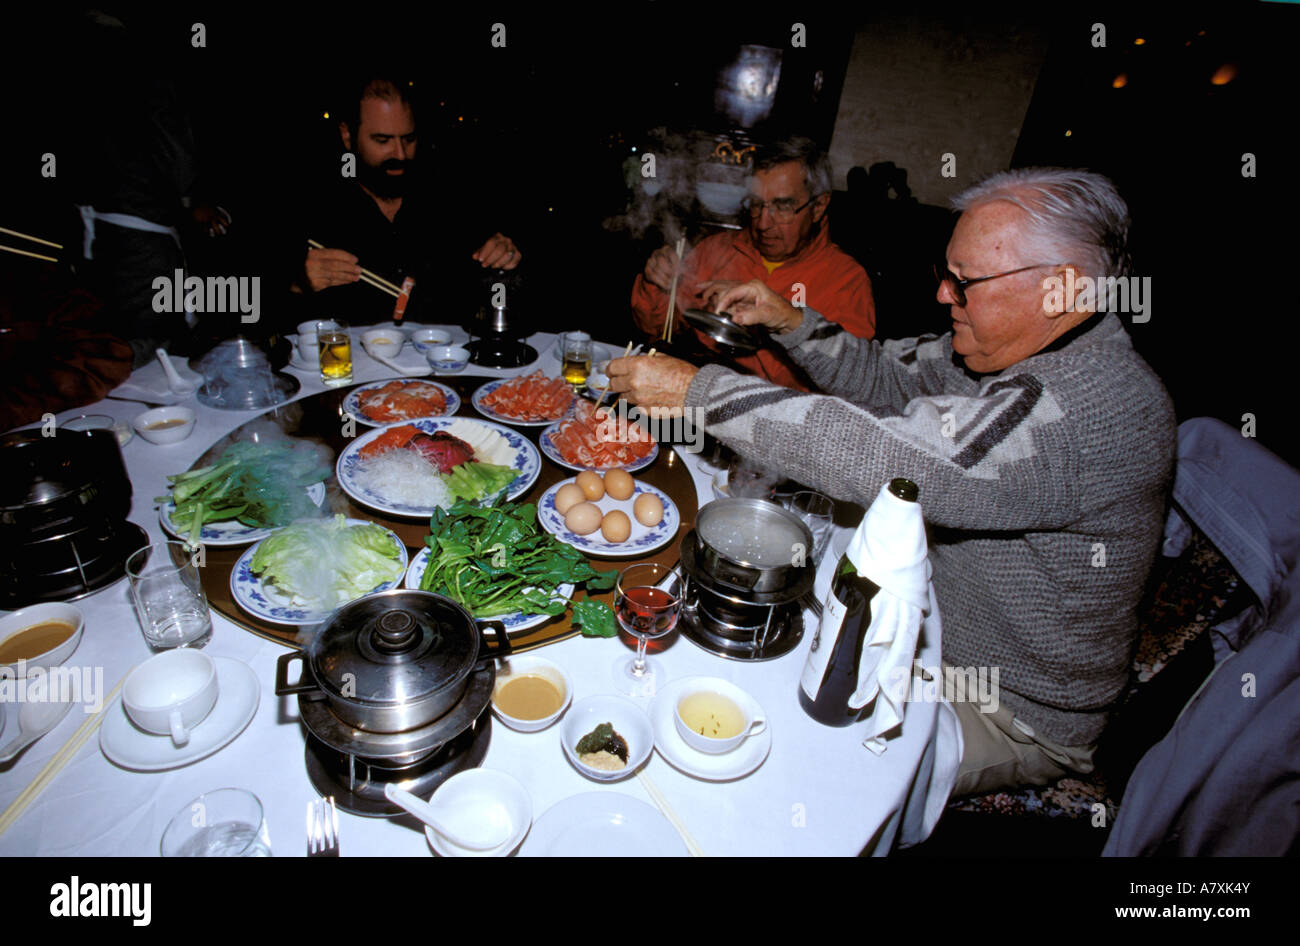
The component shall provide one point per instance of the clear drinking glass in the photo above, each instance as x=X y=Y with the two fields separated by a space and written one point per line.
x=818 y=513
x=647 y=600
x=227 y=822
x=575 y=356
x=168 y=597
x=335 y=345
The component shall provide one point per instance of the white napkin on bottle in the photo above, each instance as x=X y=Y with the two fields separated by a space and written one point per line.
x=890 y=549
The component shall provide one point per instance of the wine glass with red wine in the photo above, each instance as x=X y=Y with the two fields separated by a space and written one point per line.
x=647 y=600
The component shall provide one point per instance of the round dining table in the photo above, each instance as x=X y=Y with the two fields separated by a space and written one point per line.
x=818 y=792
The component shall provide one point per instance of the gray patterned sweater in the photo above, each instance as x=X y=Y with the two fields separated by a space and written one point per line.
x=1043 y=487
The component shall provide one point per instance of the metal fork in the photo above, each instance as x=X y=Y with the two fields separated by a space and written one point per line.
x=322 y=828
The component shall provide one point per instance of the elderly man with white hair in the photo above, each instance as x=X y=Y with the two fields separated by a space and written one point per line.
x=1041 y=441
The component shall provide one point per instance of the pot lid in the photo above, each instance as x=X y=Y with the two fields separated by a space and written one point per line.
x=719 y=327
x=394 y=648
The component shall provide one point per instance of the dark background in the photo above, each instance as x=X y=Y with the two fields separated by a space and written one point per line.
x=546 y=123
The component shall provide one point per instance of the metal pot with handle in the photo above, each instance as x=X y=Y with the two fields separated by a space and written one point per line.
x=393 y=661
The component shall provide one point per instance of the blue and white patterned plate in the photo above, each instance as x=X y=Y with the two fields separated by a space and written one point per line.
x=641 y=542
x=352 y=403
x=525 y=459
x=229 y=532
x=548 y=447
x=477 y=400
x=264 y=601
x=515 y=621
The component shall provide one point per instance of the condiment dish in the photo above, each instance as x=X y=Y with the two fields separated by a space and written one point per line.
x=51 y=612
x=628 y=720
x=178 y=421
x=447 y=359
x=384 y=341
x=512 y=668
x=426 y=339
x=488 y=796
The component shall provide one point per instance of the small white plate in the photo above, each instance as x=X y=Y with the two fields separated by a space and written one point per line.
x=524 y=459
x=125 y=745
x=352 y=402
x=477 y=400
x=641 y=542
x=265 y=602
x=229 y=532
x=515 y=621
x=711 y=768
x=603 y=824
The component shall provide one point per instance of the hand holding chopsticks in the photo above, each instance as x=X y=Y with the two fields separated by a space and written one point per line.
x=672 y=292
x=383 y=285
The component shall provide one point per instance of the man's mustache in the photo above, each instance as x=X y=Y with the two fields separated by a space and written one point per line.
x=395 y=164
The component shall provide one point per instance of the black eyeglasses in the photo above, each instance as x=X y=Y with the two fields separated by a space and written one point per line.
x=783 y=209
x=958 y=286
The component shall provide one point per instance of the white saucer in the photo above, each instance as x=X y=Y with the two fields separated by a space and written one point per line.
x=132 y=748
x=712 y=768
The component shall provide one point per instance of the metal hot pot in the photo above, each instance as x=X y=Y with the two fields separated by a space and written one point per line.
x=392 y=662
x=752 y=545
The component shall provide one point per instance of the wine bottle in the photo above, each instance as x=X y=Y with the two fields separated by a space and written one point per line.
x=830 y=674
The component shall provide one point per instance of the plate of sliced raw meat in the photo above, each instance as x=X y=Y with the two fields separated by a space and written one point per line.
x=532 y=400
x=585 y=440
x=390 y=402
x=428 y=448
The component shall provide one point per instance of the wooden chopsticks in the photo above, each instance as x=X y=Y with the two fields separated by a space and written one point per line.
x=379 y=282
x=24 y=236
x=672 y=293
x=58 y=761
x=661 y=803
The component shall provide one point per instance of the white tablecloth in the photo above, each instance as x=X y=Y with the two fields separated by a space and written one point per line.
x=818 y=793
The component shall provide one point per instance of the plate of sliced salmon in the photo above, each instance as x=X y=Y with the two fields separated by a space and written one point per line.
x=389 y=402
x=591 y=440
x=531 y=400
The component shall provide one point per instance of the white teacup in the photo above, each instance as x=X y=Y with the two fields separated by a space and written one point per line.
x=726 y=713
x=171 y=693
x=309 y=348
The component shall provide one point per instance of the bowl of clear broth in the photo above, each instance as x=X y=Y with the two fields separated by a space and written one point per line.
x=44 y=636
x=165 y=424
x=531 y=693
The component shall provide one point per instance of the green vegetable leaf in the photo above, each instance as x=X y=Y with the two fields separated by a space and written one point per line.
x=595 y=618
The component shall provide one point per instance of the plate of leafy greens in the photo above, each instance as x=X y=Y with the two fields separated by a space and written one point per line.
x=251 y=489
x=499 y=564
x=301 y=573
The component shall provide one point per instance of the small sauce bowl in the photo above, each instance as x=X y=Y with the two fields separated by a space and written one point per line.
x=146 y=424
x=447 y=359
x=512 y=668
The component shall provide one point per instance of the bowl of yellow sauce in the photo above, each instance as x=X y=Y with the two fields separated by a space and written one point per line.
x=531 y=693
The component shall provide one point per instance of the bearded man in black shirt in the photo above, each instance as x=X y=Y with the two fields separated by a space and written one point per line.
x=389 y=220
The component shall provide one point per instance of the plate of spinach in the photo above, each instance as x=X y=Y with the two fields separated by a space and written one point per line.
x=498 y=563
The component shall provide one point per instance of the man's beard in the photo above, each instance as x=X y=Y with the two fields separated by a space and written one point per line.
x=379 y=182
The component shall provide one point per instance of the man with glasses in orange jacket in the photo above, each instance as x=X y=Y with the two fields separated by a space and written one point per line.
x=786 y=246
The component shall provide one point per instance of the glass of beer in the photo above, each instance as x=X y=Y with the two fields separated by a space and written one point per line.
x=575 y=350
x=335 y=352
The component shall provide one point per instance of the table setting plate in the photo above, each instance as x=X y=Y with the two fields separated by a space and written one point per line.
x=640 y=543
x=268 y=604
x=477 y=400
x=125 y=745
x=603 y=824
x=524 y=458
x=743 y=760
x=515 y=621
x=548 y=448
x=229 y=532
x=352 y=402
